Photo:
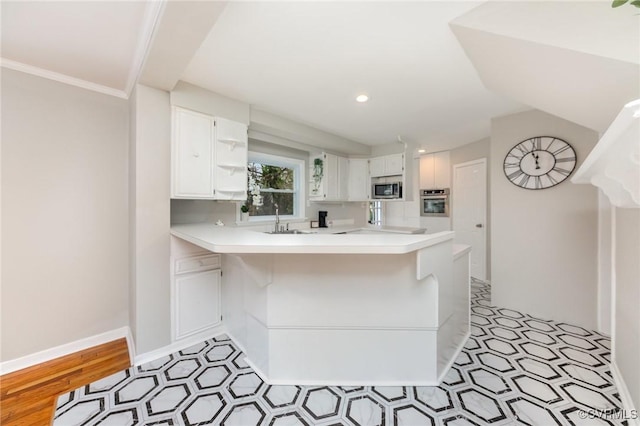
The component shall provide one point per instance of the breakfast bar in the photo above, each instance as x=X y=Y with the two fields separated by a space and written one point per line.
x=349 y=309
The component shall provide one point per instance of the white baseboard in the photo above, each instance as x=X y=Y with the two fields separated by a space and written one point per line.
x=446 y=369
x=314 y=382
x=178 y=345
x=66 y=349
x=625 y=396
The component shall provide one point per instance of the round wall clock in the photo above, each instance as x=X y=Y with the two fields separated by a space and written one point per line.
x=540 y=162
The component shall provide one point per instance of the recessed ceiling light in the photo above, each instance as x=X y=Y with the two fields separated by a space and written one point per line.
x=362 y=98
x=422 y=151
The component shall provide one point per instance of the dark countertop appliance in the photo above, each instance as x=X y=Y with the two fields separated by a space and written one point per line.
x=322 y=219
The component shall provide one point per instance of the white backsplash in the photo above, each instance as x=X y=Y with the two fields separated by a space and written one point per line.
x=407 y=213
x=200 y=211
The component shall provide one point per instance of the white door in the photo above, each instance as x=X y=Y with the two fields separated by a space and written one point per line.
x=359 y=187
x=376 y=167
x=192 y=154
x=469 y=207
x=330 y=178
x=197 y=302
x=343 y=179
x=394 y=164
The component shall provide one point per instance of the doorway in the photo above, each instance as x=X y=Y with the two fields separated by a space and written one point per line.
x=469 y=208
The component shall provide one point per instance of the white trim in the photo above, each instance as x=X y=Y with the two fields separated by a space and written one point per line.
x=446 y=369
x=483 y=161
x=62 y=78
x=131 y=344
x=614 y=289
x=179 y=345
x=314 y=382
x=66 y=349
x=299 y=184
x=153 y=12
x=625 y=396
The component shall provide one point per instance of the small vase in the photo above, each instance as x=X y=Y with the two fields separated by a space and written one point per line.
x=244 y=216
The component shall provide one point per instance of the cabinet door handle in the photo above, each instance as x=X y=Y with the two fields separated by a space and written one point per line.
x=478 y=225
x=196 y=155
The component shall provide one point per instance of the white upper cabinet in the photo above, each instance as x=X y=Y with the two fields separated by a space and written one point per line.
x=435 y=171
x=343 y=178
x=376 y=167
x=192 y=155
x=359 y=183
x=209 y=157
x=328 y=178
x=394 y=164
x=388 y=165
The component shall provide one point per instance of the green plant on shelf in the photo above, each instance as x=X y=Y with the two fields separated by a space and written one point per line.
x=318 y=172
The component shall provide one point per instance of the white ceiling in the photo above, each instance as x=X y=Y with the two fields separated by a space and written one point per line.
x=578 y=61
x=306 y=61
x=95 y=44
x=591 y=27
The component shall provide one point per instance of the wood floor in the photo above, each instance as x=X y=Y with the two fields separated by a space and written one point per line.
x=28 y=397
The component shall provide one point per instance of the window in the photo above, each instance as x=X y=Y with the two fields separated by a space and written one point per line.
x=275 y=180
x=375 y=212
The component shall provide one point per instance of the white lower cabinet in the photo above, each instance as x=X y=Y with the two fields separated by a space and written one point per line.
x=196 y=294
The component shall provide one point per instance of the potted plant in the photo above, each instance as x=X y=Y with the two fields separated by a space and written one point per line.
x=318 y=173
x=244 y=212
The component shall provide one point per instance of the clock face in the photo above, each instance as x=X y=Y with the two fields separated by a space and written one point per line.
x=540 y=162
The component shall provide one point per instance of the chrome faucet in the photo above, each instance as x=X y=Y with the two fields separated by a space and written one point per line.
x=277 y=229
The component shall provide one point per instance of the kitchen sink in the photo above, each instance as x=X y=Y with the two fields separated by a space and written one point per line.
x=288 y=231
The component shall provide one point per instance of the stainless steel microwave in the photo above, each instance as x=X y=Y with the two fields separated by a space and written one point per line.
x=388 y=190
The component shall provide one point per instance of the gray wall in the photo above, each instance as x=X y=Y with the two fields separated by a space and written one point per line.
x=470 y=152
x=64 y=214
x=626 y=351
x=150 y=218
x=544 y=243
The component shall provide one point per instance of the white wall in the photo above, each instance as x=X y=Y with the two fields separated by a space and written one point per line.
x=150 y=215
x=605 y=239
x=544 y=242
x=198 y=99
x=626 y=350
x=64 y=217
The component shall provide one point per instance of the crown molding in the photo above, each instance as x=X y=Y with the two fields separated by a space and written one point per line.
x=62 y=78
x=152 y=15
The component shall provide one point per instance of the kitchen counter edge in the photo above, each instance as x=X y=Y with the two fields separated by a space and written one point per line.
x=234 y=240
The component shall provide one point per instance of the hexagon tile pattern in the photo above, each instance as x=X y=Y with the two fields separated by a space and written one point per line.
x=514 y=369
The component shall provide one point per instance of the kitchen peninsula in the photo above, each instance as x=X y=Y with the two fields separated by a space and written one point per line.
x=350 y=309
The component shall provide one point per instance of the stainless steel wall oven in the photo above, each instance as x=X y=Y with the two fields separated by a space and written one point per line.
x=434 y=202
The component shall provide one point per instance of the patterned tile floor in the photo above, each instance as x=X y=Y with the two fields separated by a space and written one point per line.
x=515 y=369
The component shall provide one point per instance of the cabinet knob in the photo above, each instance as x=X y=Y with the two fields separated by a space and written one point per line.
x=196 y=155
x=478 y=225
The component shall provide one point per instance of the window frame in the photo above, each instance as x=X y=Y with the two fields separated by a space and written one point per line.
x=376 y=213
x=299 y=184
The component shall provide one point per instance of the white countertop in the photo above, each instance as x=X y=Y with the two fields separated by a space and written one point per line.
x=222 y=239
